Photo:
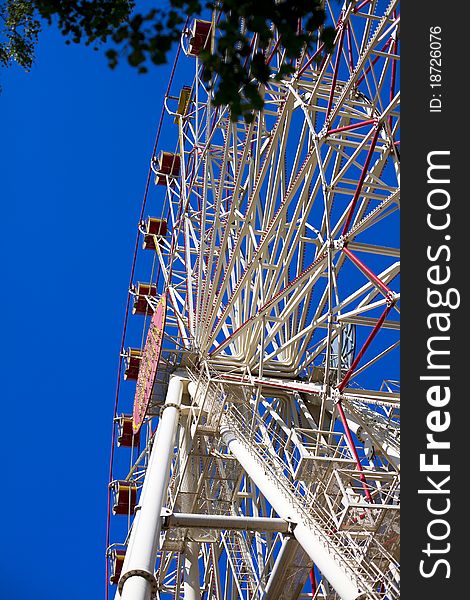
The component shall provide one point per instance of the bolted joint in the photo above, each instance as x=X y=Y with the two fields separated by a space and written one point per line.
x=170 y=405
x=391 y=298
x=291 y=526
x=165 y=515
x=339 y=243
x=150 y=577
x=361 y=435
x=335 y=396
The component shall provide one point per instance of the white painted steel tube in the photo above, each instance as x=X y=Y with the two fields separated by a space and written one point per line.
x=307 y=537
x=134 y=528
x=228 y=522
x=137 y=579
x=277 y=579
x=191 y=586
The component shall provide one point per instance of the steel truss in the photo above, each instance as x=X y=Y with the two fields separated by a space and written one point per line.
x=273 y=472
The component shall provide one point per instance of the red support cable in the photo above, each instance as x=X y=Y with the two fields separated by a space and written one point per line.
x=336 y=69
x=361 y=181
x=363 y=76
x=353 y=449
x=393 y=78
x=361 y=5
x=313 y=582
x=270 y=302
x=310 y=60
x=343 y=384
x=341 y=387
x=274 y=50
x=364 y=348
x=367 y=271
x=252 y=45
x=353 y=126
x=123 y=337
x=350 y=54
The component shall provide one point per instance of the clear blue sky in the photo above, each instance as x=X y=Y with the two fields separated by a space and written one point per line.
x=76 y=140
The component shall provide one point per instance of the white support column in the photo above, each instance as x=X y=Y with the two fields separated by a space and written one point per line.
x=188 y=520
x=277 y=580
x=137 y=579
x=134 y=529
x=191 y=583
x=340 y=578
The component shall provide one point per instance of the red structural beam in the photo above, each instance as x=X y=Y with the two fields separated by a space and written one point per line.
x=341 y=387
x=361 y=180
x=372 y=276
x=309 y=61
x=319 y=50
x=313 y=582
x=252 y=44
x=118 y=381
x=394 y=70
x=274 y=50
x=363 y=76
x=336 y=69
x=393 y=77
x=364 y=348
x=350 y=54
x=353 y=126
x=269 y=303
x=361 y=5
x=352 y=447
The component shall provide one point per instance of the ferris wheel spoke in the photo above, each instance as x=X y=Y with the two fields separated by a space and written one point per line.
x=227 y=233
x=276 y=222
x=364 y=306
x=364 y=56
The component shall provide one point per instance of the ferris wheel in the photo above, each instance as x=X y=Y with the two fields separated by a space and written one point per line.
x=257 y=454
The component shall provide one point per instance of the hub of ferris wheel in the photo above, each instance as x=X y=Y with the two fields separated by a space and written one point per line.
x=256 y=455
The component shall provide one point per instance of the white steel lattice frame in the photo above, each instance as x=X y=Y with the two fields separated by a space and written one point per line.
x=283 y=243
